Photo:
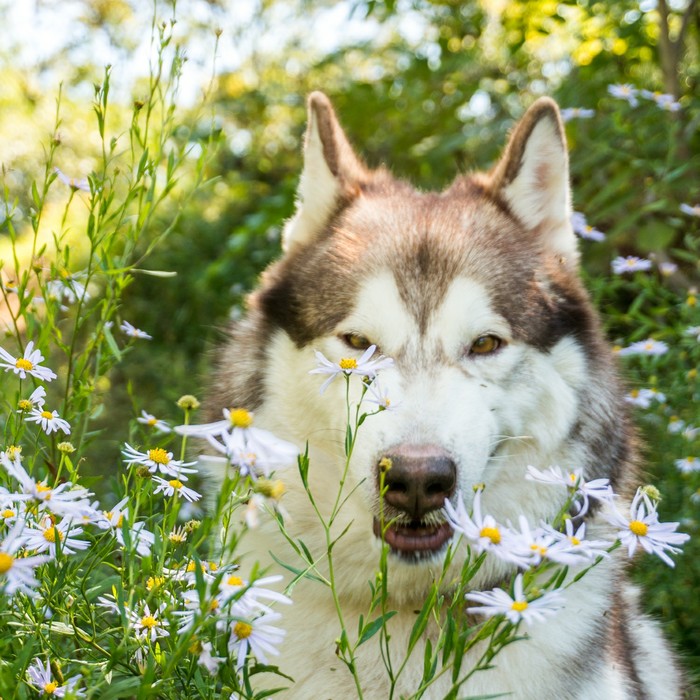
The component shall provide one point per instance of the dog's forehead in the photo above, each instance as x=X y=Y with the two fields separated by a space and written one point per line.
x=421 y=244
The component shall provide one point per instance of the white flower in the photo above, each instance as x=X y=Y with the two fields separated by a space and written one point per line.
x=49 y=421
x=664 y=101
x=675 y=425
x=134 y=332
x=643 y=397
x=207 y=660
x=624 y=92
x=569 y=113
x=40 y=677
x=644 y=347
x=81 y=184
x=379 y=395
x=692 y=210
x=67 y=289
x=147 y=624
x=631 y=263
x=693 y=332
x=36 y=399
x=158 y=460
x=485 y=533
x=233 y=587
x=667 y=268
x=598 y=489
x=150 y=420
x=50 y=537
x=61 y=500
x=256 y=636
x=581 y=227
x=17 y=574
x=253 y=451
x=643 y=528
x=141 y=539
x=570 y=548
x=516 y=608
x=688 y=464
x=365 y=366
x=175 y=486
x=29 y=363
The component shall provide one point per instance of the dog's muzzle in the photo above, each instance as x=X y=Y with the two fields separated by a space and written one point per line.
x=417 y=479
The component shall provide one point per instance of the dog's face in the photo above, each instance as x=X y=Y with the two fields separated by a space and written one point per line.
x=473 y=292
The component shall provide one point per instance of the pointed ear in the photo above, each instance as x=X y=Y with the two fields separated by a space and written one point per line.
x=332 y=174
x=533 y=178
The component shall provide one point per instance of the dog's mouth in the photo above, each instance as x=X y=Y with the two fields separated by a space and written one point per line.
x=415 y=540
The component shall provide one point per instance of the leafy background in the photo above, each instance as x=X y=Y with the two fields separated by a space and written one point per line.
x=428 y=87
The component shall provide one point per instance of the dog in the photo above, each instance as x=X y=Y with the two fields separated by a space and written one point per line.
x=499 y=363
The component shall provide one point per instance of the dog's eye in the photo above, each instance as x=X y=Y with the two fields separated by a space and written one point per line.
x=484 y=345
x=356 y=341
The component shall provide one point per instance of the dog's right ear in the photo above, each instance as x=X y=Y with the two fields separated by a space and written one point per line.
x=332 y=174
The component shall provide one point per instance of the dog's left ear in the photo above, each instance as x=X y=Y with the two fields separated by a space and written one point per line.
x=332 y=174
x=533 y=178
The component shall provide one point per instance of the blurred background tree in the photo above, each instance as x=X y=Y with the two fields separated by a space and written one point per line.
x=429 y=87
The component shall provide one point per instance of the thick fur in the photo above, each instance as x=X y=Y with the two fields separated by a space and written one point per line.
x=423 y=275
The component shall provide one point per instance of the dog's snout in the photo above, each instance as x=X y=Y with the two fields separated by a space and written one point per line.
x=418 y=479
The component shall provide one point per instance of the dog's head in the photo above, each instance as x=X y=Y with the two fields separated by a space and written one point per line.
x=474 y=292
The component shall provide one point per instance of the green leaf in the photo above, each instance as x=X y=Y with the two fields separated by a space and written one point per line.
x=373 y=627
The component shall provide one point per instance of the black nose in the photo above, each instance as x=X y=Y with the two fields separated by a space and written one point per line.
x=417 y=478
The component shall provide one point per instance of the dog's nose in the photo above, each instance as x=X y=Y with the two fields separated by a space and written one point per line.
x=417 y=478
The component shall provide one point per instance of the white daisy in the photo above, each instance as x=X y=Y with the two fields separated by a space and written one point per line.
x=644 y=347
x=134 y=332
x=207 y=660
x=598 y=489
x=49 y=421
x=41 y=679
x=175 y=487
x=571 y=548
x=158 y=460
x=517 y=607
x=643 y=528
x=569 y=113
x=150 y=420
x=140 y=538
x=379 y=395
x=148 y=625
x=256 y=636
x=631 y=263
x=35 y=400
x=688 y=464
x=17 y=573
x=485 y=534
x=249 y=594
x=80 y=184
x=625 y=92
x=365 y=366
x=48 y=536
x=29 y=363
x=643 y=398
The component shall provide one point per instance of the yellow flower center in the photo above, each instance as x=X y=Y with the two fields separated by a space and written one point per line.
x=6 y=562
x=50 y=534
x=492 y=533
x=25 y=405
x=42 y=488
x=348 y=363
x=152 y=421
x=639 y=528
x=47 y=414
x=234 y=581
x=159 y=456
x=149 y=621
x=213 y=566
x=240 y=418
x=24 y=364
x=49 y=688
x=154 y=581
x=519 y=605
x=540 y=549
x=242 y=630
x=177 y=537
x=8 y=513
x=176 y=484
x=574 y=540
x=214 y=604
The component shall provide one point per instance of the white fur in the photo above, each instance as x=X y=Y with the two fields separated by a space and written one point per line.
x=316 y=196
x=540 y=195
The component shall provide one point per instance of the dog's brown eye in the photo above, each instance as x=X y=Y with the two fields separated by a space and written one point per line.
x=356 y=341
x=484 y=345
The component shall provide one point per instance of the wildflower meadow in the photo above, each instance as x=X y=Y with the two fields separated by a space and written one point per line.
x=120 y=568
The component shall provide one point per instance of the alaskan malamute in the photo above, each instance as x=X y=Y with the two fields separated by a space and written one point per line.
x=499 y=363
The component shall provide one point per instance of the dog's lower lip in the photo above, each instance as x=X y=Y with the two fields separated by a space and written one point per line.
x=415 y=538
